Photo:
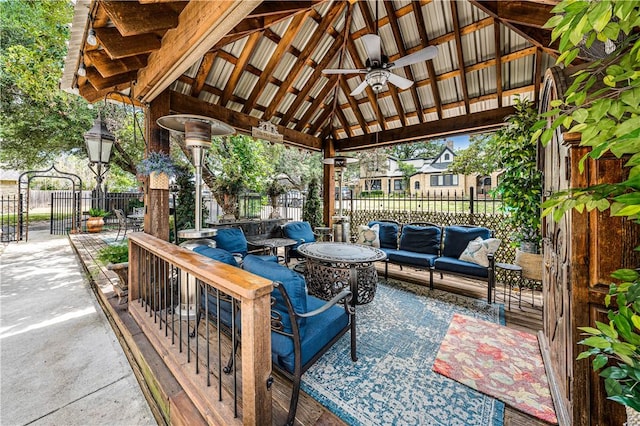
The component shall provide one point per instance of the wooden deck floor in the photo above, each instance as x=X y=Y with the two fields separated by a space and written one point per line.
x=310 y=412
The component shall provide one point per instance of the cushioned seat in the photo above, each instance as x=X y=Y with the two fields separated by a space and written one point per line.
x=451 y=264
x=388 y=233
x=411 y=258
x=299 y=231
x=234 y=241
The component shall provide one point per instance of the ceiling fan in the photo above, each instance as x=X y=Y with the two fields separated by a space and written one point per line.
x=378 y=68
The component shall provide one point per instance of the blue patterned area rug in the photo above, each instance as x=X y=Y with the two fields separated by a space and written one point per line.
x=392 y=383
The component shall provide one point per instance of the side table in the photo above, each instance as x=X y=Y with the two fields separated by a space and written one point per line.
x=514 y=277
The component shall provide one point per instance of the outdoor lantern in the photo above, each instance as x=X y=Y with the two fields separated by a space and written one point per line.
x=99 y=141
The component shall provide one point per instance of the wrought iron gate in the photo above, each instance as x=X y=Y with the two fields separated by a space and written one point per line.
x=11 y=228
x=65 y=212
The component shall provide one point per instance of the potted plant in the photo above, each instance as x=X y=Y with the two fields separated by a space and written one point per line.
x=274 y=190
x=159 y=167
x=615 y=347
x=95 y=222
x=116 y=258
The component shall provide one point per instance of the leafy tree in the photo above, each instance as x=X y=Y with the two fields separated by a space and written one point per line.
x=424 y=149
x=373 y=162
x=407 y=170
x=299 y=165
x=481 y=157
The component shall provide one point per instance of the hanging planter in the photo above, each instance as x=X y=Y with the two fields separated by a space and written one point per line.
x=159 y=180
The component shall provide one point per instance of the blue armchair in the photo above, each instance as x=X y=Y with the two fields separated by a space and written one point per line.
x=299 y=231
x=234 y=241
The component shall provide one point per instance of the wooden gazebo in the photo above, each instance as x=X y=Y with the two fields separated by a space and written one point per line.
x=246 y=62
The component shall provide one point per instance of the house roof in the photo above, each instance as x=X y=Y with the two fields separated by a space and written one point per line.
x=245 y=61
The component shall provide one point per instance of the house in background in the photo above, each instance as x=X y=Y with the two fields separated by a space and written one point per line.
x=432 y=177
x=9 y=181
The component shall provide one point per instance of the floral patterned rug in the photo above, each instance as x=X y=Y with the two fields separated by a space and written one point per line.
x=393 y=383
x=498 y=361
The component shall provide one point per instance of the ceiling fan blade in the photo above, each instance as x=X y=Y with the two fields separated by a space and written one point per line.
x=373 y=46
x=419 y=56
x=359 y=89
x=343 y=71
x=401 y=82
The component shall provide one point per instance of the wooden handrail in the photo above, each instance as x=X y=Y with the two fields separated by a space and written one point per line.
x=252 y=291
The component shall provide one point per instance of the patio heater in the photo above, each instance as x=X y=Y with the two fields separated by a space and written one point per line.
x=198 y=131
x=340 y=221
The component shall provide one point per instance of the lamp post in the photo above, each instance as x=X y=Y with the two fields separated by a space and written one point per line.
x=340 y=222
x=99 y=141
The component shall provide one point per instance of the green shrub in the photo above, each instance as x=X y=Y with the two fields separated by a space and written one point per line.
x=98 y=213
x=117 y=253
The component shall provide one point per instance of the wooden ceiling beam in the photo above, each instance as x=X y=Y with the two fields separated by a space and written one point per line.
x=484 y=120
x=239 y=67
x=92 y=95
x=498 y=63
x=282 y=47
x=537 y=78
x=132 y=18
x=184 y=104
x=317 y=74
x=397 y=35
x=460 y=55
x=201 y=25
x=431 y=71
x=276 y=7
x=318 y=34
x=101 y=83
x=118 y=47
x=108 y=67
x=527 y=13
x=203 y=72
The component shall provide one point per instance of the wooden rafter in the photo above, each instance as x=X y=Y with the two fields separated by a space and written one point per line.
x=131 y=18
x=278 y=7
x=498 y=49
x=447 y=126
x=108 y=67
x=318 y=34
x=463 y=74
x=239 y=67
x=435 y=91
x=282 y=47
x=537 y=78
x=118 y=47
x=203 y=72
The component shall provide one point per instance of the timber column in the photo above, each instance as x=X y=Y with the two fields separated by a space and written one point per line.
x=329 y=182
x=156 y=201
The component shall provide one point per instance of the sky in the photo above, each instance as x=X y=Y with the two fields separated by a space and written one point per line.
x=459 y=142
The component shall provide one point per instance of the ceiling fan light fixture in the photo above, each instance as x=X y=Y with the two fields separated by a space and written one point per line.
x=377 y=79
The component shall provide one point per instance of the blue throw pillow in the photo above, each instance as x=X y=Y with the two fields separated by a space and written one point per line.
x=299 y=231
x=293 y=283
x=217 y=254
x=420 y=239
x=457 y=238
x=232 y=240
x=388 y=234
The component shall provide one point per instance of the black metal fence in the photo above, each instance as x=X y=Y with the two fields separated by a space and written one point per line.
x=10 y=217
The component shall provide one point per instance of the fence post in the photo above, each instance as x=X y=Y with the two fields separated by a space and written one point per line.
x=471 y=200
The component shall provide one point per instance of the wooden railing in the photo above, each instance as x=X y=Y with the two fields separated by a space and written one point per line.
x=166 y=283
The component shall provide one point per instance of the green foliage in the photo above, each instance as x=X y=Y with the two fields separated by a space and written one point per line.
x=481 y=157
x=312 y=210
x=117 y=253
x=185 y=209
x=520 y=184
x=616 y=346
x=372 y=194
x=602 y=103
x=158 y=162
x=424 y=149
x=98 y=213
x=407 y=170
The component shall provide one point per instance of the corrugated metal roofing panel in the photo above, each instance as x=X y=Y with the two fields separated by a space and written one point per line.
x=287 y=61
x=235 y=106
x=437 y=15
x=357 y=20
x=473 y=84
x=318 y=86
x=245 y=85
x=267 y=94
x=281 y=27
x=426 y=96
x=465 y=12
x=519 y=72
x=321 y=50
x=386 y=106
x=181 y=87
x=389 y=46
x=431 y=116
x=413 y=120
x=236 y=47
x=446 y=60
x=307 y=30
x=219 y=74
x=448 y=90
x=301 y=111
x=453 y=112
x=419 y=71
x=409 y=31
x=511 y=40
x=262 y=53
x=367 y=112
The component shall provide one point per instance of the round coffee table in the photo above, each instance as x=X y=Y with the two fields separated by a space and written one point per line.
x=333 y=266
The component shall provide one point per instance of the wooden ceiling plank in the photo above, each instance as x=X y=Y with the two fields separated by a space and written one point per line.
x=431 y=71
x=239 y=67
x=445 y=127
x=524 y=12
x=132 y=18
x=463 y=75
x=92 y=95
x=203 y=72
x=397 y=35
x=498 y=62
x=277 y=7
x=315 y=104
x=352 y=104
x=304 y=55
x=118 y=46
x=282 y=47
x=201 y=25
x=184 y=104
x=101 y=83
x=317 y=73
x=108 y=67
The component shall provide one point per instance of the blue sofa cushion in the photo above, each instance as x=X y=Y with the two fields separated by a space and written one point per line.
x=293 y=283
x=420 y=239
x=388 y=234
x=299 y=231
x=232 y=240
x=406 y=257
x=217 y=254
x=225 y=309
x=456 y=239
x=320 y=330
x=460 y=266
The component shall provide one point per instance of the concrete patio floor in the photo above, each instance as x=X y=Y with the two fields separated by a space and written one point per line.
x=61 y=362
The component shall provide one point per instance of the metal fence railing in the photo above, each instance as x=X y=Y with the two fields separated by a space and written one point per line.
x=10 y=217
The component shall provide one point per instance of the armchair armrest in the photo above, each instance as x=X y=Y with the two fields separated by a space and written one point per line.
x=344 y=294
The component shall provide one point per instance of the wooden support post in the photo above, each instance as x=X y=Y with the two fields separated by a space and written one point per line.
x=329 y=183
x=156 y=217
